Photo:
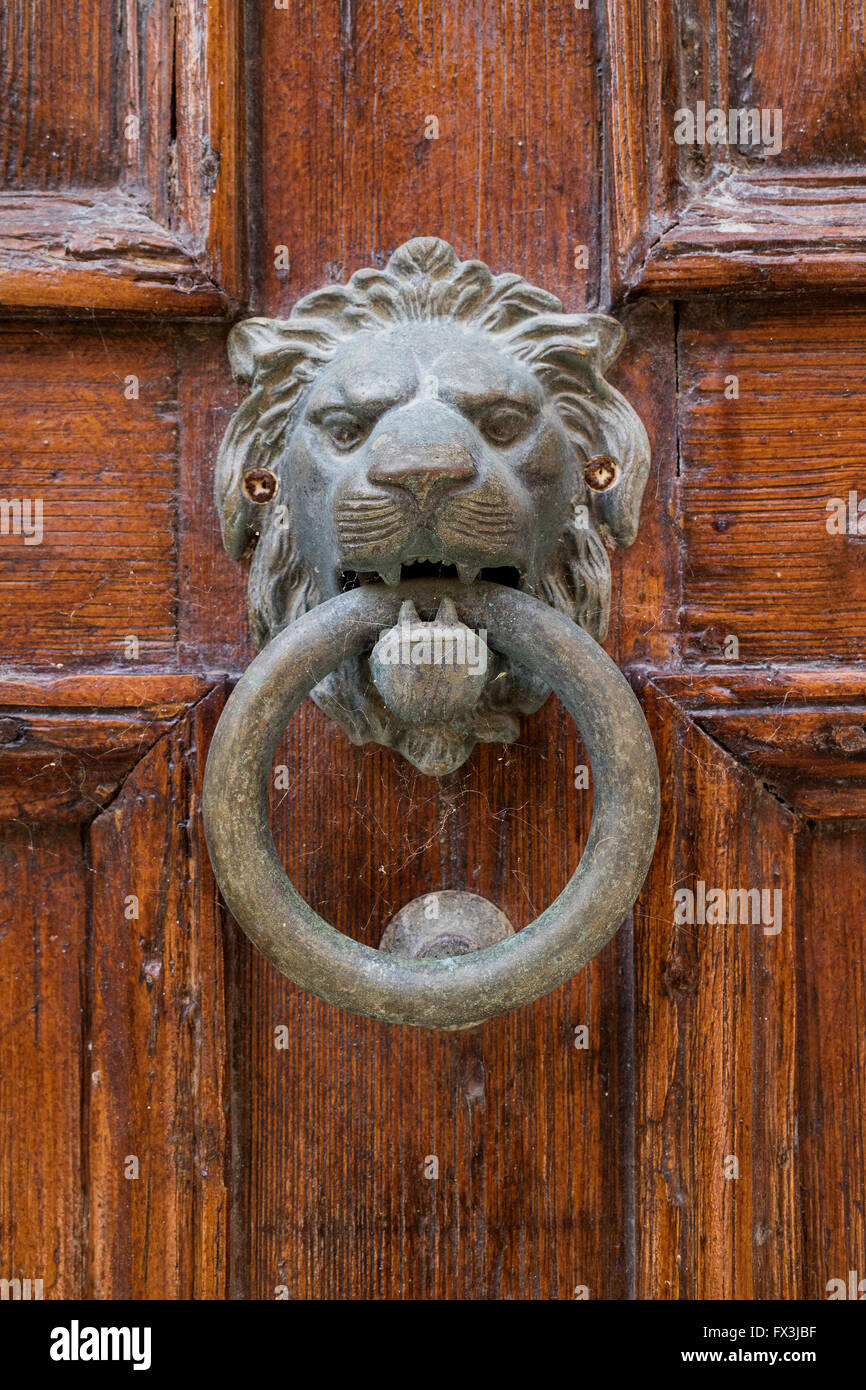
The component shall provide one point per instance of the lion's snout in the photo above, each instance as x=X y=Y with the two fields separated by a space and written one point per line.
x=425 y=449
x=424 y=473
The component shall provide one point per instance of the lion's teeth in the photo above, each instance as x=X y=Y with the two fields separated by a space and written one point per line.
x=448 y=615
x=467 y=573
x=408 y=614
x=391 y=575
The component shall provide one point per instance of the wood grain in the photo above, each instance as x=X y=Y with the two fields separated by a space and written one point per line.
x=67 y=744
x=42 y=1057
x=210 y=202
x=104 y=468
x=156 y=1035
x=811 y=758
x=88 y=994
x=299 y=1171
x=701 y=689
x=348 y=174
x=333 y=1131
x=213 y=625
x=689 y=219
x=801 y=731
x=832 y=1055
x=96 y=251
x=640 y=161
x=757 y=473
x=65 y=767
x=159 y=694
x=646 y=577
x=805 y=57
x=715 y=1038
x=754 y=233
x=125 y=178
x=59 y=94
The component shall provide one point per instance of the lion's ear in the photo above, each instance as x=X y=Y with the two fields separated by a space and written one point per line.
x=620 y=435
x=570 y=353
x=615 y=431
x=241 y=450
x=254 y=342
x=603 y=337
x=255 y=348
x=263 y=354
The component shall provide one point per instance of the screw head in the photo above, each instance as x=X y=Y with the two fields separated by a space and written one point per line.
x=601 y=472
x=260 y=484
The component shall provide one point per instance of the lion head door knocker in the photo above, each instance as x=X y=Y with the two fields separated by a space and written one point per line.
x=428 y=472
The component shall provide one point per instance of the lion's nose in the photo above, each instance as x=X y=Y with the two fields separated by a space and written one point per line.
x=424 y=473
x=424 y=450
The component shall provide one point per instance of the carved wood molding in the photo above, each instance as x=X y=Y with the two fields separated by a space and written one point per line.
x=753 y=233
x=67 y=744
x=688 y=219
x=170 y=237
x=801 y=732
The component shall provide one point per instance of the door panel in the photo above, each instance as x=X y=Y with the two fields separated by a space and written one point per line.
x=758 y=473
x=100 y=463
x=113 y=1040
x=716 y=1035
x=831 y=860
x=450 y=111
x=355 y=1115
x=42 y=1219
x=155 y=1107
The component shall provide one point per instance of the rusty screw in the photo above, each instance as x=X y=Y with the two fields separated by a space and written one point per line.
x=850 y=738
x=260 y=484
x=600 y=472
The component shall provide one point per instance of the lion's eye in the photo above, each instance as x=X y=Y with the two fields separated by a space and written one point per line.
x=345 y=430
x=503 y=424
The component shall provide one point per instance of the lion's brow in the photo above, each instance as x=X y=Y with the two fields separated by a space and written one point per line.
x=506 y=393
x=371 y=400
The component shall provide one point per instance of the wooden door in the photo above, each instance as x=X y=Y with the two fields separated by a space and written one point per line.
x=684 y=1120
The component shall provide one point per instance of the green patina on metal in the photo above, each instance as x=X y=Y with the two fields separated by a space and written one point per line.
x=429 y=417
x=428 y=471
x=456 y=991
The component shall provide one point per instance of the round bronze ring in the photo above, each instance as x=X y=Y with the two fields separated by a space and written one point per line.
x=453 y=992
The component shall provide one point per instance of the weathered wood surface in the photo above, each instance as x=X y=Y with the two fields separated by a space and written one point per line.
x=43 y=1056
x=98 y=251
x=831 y=1056
x=61 y=125
x=102 y=465
x=121 y=157
x=348 y=170
x=715 y=1041
x=697 y=218
x=157 y=1069
x=757 y=473
x=68 y=743
x=752 y=234
x=799 y=730
x=115 y=1181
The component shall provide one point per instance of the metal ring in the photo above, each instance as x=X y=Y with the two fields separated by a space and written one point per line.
x=459 y=991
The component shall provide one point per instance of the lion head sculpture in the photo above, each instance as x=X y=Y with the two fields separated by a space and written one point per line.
x=429 y=418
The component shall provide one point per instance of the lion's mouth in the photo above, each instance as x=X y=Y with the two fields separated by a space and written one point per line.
x=430 y=569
